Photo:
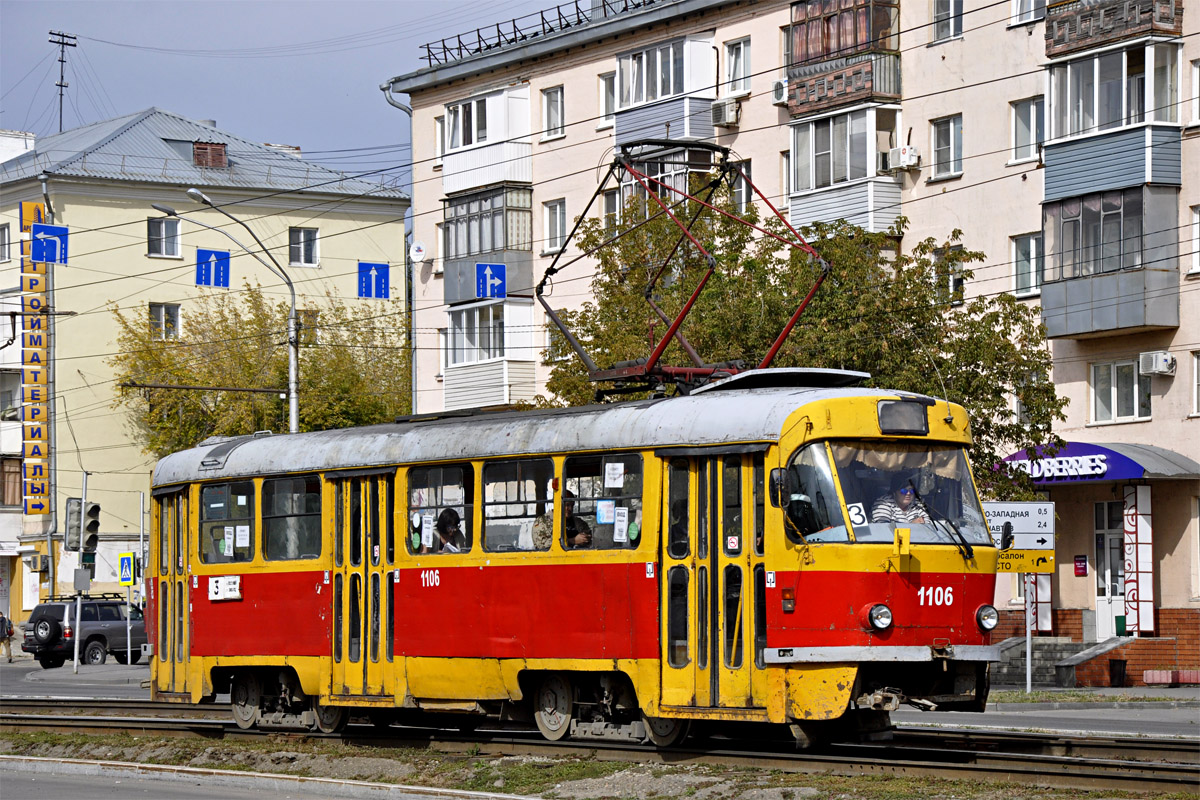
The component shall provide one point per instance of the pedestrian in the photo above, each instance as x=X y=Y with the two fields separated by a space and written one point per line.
x=6 y=634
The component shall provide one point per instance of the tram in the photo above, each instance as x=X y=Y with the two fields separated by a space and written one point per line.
x=734 y=567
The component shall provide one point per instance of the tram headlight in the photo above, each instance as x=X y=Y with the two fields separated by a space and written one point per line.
x=987 y=617
x=880 y=617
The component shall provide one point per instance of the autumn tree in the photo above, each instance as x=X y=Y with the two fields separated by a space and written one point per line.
x=899 y=314
x=353 y=368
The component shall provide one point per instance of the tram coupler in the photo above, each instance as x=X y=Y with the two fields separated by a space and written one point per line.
x=886 y=699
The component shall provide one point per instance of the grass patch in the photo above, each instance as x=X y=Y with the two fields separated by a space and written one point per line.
x=1068 y=696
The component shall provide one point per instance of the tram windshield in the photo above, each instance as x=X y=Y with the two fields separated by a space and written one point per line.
x=886 y=485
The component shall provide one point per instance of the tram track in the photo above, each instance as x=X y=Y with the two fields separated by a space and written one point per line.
x=1052 y=760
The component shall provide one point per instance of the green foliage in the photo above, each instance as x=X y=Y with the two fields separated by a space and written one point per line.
x=353 y=368
x=890 y=313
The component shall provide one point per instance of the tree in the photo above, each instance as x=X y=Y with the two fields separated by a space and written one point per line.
x=354 y=369
x=900 y=316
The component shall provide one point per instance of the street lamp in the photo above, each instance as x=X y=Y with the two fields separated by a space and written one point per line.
x=293 y=338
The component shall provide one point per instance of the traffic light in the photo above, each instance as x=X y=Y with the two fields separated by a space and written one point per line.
x=91 y=527
x=74 y=509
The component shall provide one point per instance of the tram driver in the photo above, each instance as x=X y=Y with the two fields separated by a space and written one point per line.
x=900 y=504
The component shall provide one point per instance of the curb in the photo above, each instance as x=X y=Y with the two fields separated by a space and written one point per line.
x=1077 y=706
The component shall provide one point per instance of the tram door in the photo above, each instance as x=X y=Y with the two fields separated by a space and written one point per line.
x=363 y=585
x=172 y=598
x=706 y=584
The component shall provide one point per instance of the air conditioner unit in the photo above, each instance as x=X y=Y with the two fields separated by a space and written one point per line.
x=39 y=563
x=725 y=112
x=779 y=92
x=1159 y=362
x=904 y=157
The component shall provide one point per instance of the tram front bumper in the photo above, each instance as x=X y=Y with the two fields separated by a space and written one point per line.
x=869 y=654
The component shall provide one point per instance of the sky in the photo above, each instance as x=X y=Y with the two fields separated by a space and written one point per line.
x=279 y=71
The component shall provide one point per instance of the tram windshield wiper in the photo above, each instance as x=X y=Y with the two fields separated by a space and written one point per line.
x=960 y=541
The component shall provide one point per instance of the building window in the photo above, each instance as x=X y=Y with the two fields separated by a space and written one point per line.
x=1027 y=263
x=443 y=351
x=498 y=219
x=830 y=150
x=552 y=113
x=302 y=247
x=164 y=320
x=827 y=30
x=612 y=209
x=466 y=123
x=947 y=147
x=1109 y=90
x=439 y=140
x=557 y=346
x=476 y=333
x=1195 y=239
x=785 y=173
x=1028 y=133
x=1028 y=10
x=1196 y=90
x=1095 y=233
x=5 y=246
x=650 y=74
x=670 y=170
x=162 y=237
x=10 y=479
x=955 y=282
x=737 y=66
x=308 y=324
x=556 y=224
x=947 y=19
x=608 y=98
x=742 y=193
x=1119 y=392
x=1196 y=383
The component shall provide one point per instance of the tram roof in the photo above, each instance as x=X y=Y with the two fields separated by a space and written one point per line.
x=711 y=419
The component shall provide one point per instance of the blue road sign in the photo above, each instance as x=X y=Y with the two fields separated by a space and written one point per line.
x=491 y=280
x=126 y=570
x=212 y=268
x=373 y=280
x=48 y=244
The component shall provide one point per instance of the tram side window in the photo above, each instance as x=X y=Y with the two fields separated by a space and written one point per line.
x=517 y=501
x=608 y=499
x=227 y=522
x=291 y=518
x=432 y=490
x=677 y=507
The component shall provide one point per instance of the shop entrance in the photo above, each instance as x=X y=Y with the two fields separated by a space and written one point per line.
x=1110 y=570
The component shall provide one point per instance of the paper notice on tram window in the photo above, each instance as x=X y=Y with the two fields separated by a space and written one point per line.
x=621 y=526
x=427 y=530
x=243 y=536
x=606 y=511
x=228 y=541
x=614 y=475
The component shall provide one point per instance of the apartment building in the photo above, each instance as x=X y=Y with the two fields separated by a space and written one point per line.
x=1048 y=136
x=100 y=182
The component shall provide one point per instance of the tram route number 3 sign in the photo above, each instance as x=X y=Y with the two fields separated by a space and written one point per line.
x=1033 y=535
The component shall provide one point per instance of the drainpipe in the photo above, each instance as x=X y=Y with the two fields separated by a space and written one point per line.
x=386 y=88
x=51 y=369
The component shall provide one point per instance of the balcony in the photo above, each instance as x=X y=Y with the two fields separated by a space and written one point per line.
x=684 y=118
x=1126 y=157
x=1079 y=25
x=484 y=165
x=499 y=381
x=1130 y=301
x=843 y=81
x=873 y=204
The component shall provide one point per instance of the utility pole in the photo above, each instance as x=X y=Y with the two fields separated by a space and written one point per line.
x=63 y=40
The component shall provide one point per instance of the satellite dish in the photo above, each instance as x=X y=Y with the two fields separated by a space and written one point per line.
x=417 y=252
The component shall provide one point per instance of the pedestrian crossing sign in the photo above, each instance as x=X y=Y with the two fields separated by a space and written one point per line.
x=126 y=562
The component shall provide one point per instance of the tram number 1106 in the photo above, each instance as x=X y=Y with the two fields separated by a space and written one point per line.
x=430 y=577
x=936 y=595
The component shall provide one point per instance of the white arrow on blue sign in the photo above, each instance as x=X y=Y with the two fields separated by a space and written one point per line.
x=374 y=280
x=212 y=268
x=48 y=244
x=491 y=280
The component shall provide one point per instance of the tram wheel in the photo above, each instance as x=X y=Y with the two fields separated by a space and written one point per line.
x=553 y=706
x=244 y=698
x=663 y=732
x=328 y=719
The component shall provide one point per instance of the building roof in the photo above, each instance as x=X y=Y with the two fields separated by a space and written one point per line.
x=155 y=146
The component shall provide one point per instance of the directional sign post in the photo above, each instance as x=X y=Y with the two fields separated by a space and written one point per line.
x=212 y=268
x=491 y=280
x=48 y=244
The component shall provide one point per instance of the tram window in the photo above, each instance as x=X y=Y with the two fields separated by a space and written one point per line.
x=702 y=617
x=164 y=533
x=608 y=500
x=813 y=511
x=517 y=505
x=291 y=516
x=391 y=615
x=760 y=616
x=179 y=621
x=337 y=617
x=677 y=505
x=355 y=618
x=375 y=486
x=677 y=617
x=356 y=526
x=432 y=490
x=177 y=529
x=733 y=616
x=390 y=517
x=227 y=522
x=731 y=504
x=339 y=522
x=704 y=476
x=164 y=632
x=376 y=617
x=760 y=511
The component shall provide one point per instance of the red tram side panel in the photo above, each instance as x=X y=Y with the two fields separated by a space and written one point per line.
x=279 y=614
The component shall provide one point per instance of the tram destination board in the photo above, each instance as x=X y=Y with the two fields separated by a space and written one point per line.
x=1033 y=535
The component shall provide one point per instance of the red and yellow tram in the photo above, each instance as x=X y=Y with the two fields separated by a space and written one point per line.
x=737 y=565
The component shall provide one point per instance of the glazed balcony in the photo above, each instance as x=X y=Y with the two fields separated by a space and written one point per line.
x=843 y=81
x=1079 y=25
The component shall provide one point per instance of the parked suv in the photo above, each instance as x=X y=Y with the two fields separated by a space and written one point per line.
x=50 y=632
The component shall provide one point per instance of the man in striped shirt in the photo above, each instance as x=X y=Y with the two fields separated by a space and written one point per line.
x=899 y=505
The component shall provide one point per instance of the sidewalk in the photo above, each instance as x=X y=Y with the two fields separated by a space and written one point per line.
x=110 y=674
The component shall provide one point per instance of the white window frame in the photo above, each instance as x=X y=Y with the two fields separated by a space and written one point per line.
x=1195 y=268
x=476 y=317
x=635 y=69
x=610 y=209
x=785 y=173
x=553 y=114
x=160 y=315
x=458 y=132
x=554 y=218
x=1196 y=92
x=1024 y=11
x=947 y=20
x=1034 y=264
x=737 y=67
x=806 y=158
x=1077 y=91
x=443 y=353
x=607 y=83
x=5 y=243
x=952 y=166
x=166 y=240
x=439 y=248
x=439 y=141
x=1028 y=115
x=1140 y=392
x=1195 y=383
x=741 y=193
x=297 y=246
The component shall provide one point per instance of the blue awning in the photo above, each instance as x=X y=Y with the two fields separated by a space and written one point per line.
x=1087 y=462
